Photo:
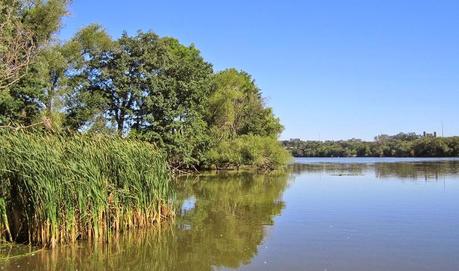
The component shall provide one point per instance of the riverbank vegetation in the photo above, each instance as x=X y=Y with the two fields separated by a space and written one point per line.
x=262 y=153
x=221 y=221
x=400 y=145
x=91 y=127
x=57 y=189
x=144 y=86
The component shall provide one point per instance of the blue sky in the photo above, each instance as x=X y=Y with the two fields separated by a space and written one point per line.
x=331 y=69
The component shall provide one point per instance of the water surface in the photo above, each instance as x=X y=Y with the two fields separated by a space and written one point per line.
x=336 y=214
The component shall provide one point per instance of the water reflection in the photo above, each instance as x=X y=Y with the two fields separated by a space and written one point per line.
x=377 y=216
x=411 y=170
x=227 y=222
x=221 y=222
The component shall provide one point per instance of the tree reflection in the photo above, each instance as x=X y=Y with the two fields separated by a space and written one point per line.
x=227 y=222
x=412 y=170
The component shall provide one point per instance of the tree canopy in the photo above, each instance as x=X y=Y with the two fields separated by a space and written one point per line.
x=236 y=107
x=25 y=27
x=140 y=86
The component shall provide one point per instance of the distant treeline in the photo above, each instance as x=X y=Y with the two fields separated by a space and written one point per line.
x=400 y=145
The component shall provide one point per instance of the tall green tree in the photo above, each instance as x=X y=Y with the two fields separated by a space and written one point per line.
x=145 y=86
x=38 y=93
x=25 y=27
x=105 y=82
x=236 y=107
x=27 y=60
x=172 y=113
x=244 y=130
x=85 y=103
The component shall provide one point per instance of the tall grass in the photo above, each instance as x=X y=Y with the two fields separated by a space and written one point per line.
x=58 y=189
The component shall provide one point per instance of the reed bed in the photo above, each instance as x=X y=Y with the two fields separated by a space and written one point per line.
x=58 y=189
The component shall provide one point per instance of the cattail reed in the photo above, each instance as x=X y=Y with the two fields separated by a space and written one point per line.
x=58 y=189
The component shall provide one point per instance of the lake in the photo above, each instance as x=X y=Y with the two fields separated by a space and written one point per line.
x=328 y=214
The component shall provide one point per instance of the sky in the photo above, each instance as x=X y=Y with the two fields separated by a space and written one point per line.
x=330 y=69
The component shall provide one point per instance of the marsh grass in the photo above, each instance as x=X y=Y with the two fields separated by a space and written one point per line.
x=58 y=189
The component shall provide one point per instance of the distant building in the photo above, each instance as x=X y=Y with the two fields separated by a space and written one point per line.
x=424 y=134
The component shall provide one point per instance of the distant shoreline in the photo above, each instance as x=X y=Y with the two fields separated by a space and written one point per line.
x=409 y=145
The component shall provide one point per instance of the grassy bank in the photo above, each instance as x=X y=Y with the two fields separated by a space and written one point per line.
x=58 y=189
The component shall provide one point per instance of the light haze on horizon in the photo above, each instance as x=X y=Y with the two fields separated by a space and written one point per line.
x=330 y=69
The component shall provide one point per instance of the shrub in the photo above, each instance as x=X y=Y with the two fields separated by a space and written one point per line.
x=264 y=153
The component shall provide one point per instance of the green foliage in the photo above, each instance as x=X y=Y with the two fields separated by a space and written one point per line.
x=59 y=188
x=174 y=107
x=40 y=92
x=85 y=102
x=400 y=145
x=243 y=129
x=144 y=86
x=226 y=228
x=236 y=107
x=264 y=153
x=26 y=29
x=131 y=109
x=25 y=26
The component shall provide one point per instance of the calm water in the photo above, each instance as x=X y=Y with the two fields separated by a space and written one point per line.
x=338 y=214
